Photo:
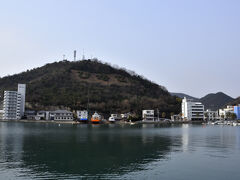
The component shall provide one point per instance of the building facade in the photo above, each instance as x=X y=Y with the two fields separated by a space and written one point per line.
x=148 y=115
x=14 y=103
x=191 y=110
x=22 y=92
x=211 y=115
x=62 y=115
x=11 y=105
x=237 y=111
x=82 y=115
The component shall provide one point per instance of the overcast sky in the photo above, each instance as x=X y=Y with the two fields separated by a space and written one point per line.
x=190 y=46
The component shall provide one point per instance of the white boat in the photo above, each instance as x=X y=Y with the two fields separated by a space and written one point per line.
x=111 y=119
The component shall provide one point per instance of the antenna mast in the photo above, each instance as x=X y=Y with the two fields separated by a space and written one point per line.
x=83 y=57
x=75 y=55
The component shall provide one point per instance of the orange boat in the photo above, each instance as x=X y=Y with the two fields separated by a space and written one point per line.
x=96 y=118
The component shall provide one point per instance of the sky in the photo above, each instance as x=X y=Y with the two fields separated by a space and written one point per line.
x=188 y=46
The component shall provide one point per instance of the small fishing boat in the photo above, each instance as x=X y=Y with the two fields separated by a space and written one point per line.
x=96 y=118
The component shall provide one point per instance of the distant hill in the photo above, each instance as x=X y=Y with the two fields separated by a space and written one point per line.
x=212 y=101
x=215 y=101
x=182 y=95
x=110 y=90
x=235 y=102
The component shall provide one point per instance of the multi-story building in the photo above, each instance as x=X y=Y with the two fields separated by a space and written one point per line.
x=148 y=115
x=211 y=115
x=223 y=112
x=237 y=111
x=11 y=105
x=22 y=92
x=191 y=110
x=14 y=103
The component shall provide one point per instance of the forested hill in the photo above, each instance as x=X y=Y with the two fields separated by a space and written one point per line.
x=110 y=89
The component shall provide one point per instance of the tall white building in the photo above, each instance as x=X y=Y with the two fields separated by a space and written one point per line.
x=191 y=110
x=22 y=91
x=14 y=103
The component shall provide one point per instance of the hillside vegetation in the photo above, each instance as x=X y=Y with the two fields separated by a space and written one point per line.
x=110 y=90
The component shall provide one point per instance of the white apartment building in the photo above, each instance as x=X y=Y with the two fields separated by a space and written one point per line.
x=223 y=112
x=191 y=110
x=148 y=115
x=14 y=103
x=211 y=115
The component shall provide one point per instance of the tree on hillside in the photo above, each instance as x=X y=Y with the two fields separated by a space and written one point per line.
x=228 y=115
x=233 y=116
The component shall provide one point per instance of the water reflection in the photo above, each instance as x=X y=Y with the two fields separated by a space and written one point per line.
x=34 y=150
x=92 y=150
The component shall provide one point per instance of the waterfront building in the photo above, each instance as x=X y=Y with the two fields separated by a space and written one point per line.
x=43 y=115
x=237 y=111
x=61 y=115
x=14 y=103
x=22 y=92
x=82 y=115
x=30 y=115
x=211 y=115
x=223 y=112
x=148 y=115
x=191 y=110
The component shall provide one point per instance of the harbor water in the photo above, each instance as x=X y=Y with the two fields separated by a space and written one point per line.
x=66 y=151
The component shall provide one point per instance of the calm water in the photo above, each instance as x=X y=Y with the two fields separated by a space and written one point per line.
x=49 y=151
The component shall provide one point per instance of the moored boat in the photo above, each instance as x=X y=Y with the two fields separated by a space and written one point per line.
x=111 y=119
x=96 y=118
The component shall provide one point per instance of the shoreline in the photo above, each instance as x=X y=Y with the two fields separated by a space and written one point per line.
x=105 y=122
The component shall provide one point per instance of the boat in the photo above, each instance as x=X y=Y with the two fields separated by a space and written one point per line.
x=111 y=119
x=96 y=118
